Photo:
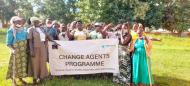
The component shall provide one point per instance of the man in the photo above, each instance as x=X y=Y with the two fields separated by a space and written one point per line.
x=97 y=33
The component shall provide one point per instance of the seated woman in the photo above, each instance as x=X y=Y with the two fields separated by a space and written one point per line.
x=141 y=47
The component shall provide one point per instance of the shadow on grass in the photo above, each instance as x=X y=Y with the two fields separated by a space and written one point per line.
x=170 y=81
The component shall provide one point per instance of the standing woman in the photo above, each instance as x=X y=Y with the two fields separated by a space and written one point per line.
x=37 y=38
x=124 y=77
x=140 y=59
x=79 y=33
x=16 y=40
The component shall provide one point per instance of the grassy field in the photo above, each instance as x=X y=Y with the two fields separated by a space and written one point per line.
x=170 y=65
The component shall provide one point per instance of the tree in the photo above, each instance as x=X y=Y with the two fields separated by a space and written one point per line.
x=155 y=14
x=7 y=10
x=176 y=15
x=111 y=10
x=182 y=15
x=60 y=10
x=25 y=7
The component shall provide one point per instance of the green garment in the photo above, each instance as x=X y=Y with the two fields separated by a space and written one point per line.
x=95 y=35
x=19 y=66
x=140 y=67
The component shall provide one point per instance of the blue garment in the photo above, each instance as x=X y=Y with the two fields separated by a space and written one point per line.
x=52 y=32
x=21 y=35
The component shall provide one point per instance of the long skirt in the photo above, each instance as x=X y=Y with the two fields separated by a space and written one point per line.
x=124 y=77
x=141 y=65
x=18 y=66
x=39 y=62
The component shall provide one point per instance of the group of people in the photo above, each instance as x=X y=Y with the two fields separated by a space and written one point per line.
x=29 y=47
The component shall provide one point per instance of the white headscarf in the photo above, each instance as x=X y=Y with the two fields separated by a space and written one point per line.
x=14 y=19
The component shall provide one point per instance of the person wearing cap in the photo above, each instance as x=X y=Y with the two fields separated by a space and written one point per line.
x=38 y=50
x=79 y=33
x=97 y=33
x=16 y=40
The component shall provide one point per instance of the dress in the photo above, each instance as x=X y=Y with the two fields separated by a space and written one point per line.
x=19 y=65
x=40 y=52
x=140 y=66
x=124 y=77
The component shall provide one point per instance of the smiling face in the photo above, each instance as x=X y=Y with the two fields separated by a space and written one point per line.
x=140 y=29
x=17 y=23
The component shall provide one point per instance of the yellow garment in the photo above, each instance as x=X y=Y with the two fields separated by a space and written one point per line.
x=80 y=35
x=134 y=35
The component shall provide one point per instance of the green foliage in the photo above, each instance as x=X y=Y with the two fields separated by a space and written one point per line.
x=7 y=8
x=173 y=15
x=60 y=10
x=111 y=10
x=176 y=16
x=155 y=14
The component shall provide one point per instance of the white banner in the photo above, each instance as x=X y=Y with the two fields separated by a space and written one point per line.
x=84 y=57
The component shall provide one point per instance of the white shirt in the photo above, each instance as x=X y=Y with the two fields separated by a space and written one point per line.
x=42 y=35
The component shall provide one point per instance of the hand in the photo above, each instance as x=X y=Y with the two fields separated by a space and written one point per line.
x=68 y=27
x=57 y=44
x=110 y=25
x=13 y=51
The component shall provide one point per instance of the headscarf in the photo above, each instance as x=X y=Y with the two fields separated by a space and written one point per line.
x=33 y=19
x=14 y=19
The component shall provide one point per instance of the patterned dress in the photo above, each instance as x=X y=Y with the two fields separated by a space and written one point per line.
x=124 y=77
x=18 y=62
x=19 y=66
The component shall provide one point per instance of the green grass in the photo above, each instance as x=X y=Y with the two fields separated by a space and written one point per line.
x=170 y=65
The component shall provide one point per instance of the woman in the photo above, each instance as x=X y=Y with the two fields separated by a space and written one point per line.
x=124 y=77
x=38 y=50
x=16 y=40
x=79 y=33
x=140 y=59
